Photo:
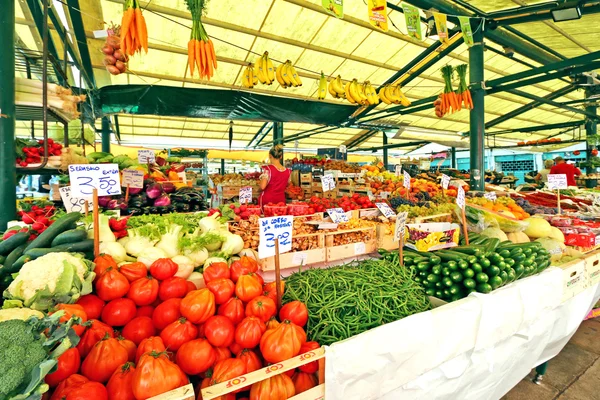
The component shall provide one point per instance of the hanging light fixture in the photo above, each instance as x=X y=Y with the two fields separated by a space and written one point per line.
x=230 y=134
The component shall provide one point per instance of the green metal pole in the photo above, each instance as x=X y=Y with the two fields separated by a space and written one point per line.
x=591 y=129
x=8 y=173
x=277 y=133
x=477 y=114
x=453 y=155
x=105 y=135
x=385 y=151
x=222 y=166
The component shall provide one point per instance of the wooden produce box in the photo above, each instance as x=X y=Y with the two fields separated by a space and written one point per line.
x=574 y=278
x=298 y=258
x=228 y=192
x=339 y=252
x=182 y=393
x=221 y=389
x=592 y=267
x=384 y=239
x=306 y=178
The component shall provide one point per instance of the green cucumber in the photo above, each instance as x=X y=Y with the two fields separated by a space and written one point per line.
x=14 y=255
x=62 y=224
x=70 y=236
x=16 y=240
x=2 y=259
x=82 y=247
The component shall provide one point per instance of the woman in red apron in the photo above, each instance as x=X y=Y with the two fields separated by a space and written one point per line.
x=274 y=179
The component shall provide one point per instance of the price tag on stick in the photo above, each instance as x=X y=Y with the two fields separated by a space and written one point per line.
x=400 y=226
x=460 y=197
x=72 y=204
x=461 y=202
x=398 y=169
x=557 y=182
x=386 y=210
x=491 y=196
x=87 y=177
x=445 y=181
x=146 y=156
x=337 y=215
x=133 y=178
x=328 y=183
x=246 y=194
x=271 y=228
x=406 y=181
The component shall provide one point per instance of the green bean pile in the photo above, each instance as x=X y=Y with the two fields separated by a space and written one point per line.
x=350 y=299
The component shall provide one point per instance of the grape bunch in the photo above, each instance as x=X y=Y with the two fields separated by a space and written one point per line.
x=423 y=196
x=533 y=209
x=398 y=201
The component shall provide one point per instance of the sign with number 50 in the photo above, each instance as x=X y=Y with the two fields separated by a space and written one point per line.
x=87 y=177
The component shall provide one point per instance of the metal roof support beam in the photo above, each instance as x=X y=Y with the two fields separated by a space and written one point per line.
x=305 y=134
x=477 y=114
x=529 y=106
x=385 y=151
x=38 y=18
x=363 y=138
x=559 y=125
x=416 y=106
x=106 y=134
x=261 y=133
x=542 y=16
x=535 y=42
x=86 y=61
x=277 y=133
x=117 y=127
x=591 y=127
x=552 y=103
x=392 y=146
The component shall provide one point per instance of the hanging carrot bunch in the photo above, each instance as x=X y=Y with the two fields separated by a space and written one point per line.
x=201 y=52
x=448 y=100
x=134 y=34
x=463 y=92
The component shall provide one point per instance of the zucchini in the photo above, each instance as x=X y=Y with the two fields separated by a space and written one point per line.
x=2 y=259
x=447 y=255
x=16 y=240
x=62 y=224
x=19 y=263
x=83 y=247
x=14 y=255
x=70 y=236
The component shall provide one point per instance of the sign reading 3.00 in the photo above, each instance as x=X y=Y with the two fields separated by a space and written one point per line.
x=272 y=228
x=87 y=177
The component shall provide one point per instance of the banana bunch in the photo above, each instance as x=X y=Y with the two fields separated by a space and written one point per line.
x=287 y=76
x=393 y=95
x=265 y=70
x=361 y=93
x=336 y=88
x=249 y=78
x=322 y=91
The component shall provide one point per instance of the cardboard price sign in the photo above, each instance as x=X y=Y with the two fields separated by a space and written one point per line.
x=386 y=210
x=146 y=156
x=337 y=215
x=400 y=226
x=460 y=197
x=445 y=181
x=491 y=196
x=271 y=228
x=87 y=177
x=72 y=204
x=406 y=180
x=557 y=181
x=328 y=182
x=399 y=170
x=246 y=194
x=133 y=178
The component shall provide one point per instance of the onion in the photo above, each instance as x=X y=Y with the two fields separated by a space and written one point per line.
x=119 y=55
x=108 y=49
x=120 y=66
x=109 y=60
x=114 y=41
x=113 y=70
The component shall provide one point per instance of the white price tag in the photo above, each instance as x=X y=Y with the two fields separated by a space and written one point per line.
x=425 y=165
x=246 y=194
x=400 y=226
x=342 y=148
x=299 y=258
x=406 y=180
x=399 y=170
x=328 y=183
x=72 y=204
x=146 y=156
x=491 y=196
x=445 y=181
x=85 y=177
x=385 y=210
x=134 y=178
x=337 y=215
x=182 y=176
x=271 y=228
x=384 y=195
x=557 y=181
x=460 y=197
x=360 y=248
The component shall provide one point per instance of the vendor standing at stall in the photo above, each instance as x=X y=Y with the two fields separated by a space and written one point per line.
x=569 y=170
x=542 y=176
x=274 y=179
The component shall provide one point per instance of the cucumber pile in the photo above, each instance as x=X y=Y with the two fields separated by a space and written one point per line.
x=486 y=264
x=60 y=236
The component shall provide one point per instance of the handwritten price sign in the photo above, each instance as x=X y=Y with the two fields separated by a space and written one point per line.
x=385 y=210
x=460 y=197
x=133 y=178
x=406 y=180
x=491 y=196
x=399 y=170
x=337 y=215
x=146 y=156
x=246 y=194
x=445 y=181
x=72 y=204
x=272 y=228
x=400 y=226
x=87 y=177
x=328 y=182
x=557 y=181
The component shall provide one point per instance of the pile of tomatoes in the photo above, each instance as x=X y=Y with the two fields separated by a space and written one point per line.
x=347 y=203
x=144 y=332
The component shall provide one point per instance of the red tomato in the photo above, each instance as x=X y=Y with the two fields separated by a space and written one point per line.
x=276 y=387
x=119 y=384
x=247 y=287
x=73 y=310
x=143 y=291
x=228 y=369
x=219 y=331
x=294 y=311
x=106 y=356
x=68 y=364
x=92 y=305
x=281 y=343
x=238 y=268
x=66 y=385
x=313 y=366
x=196 y=356
x=270 y=290
x=233 y=309
x=145 y=311
x=129 y=346
x=118 y=312
x=138 y=329
x=172 y=288
x=198 y=306
x=216 y=270
x=190 y=286
x=262 y=307
x=178 y=333
x=258 y=277
x=235 y=348
x=251 y=359
x=87 y=391
x=92 y=335
x=134 y=271
x=155 y=375
x=222 y=353
x=112 y=285
x=148 y=345
x=163 y=268
x=304 y=381
x=102 y=263
x=165 y=313
x=272 y=323
x=222 y=289
x=249 y=331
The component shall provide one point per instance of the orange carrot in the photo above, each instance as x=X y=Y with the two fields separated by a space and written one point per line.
x=212 y=50
x=139 y=29
x=198 y=58
x=125 y=23
x=191 y=56
x=458 y=98
x=468 y=92
x=204 y=58
x=142 y=22
x=128 y=44
x=210 y=57
x=133 y=31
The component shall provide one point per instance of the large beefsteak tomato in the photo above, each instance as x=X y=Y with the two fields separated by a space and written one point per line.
x=198 y=306
x=277 y=387
x=148 y=345
x=92 y=335
x=155 y=375
x=165 y=313
x=313 y=366
x=282 y=343
x=92 y=305
x=73 y=310
x=196 y=356
x=233 y=309
x=228 y=369
x=68 y=364
x=294 y=311
x=118 y=312
x=104 y=358
x=177 y=333
x=174 y=287
x=138 y=329
x=219 y=331
x=216 y=270
x=270 y=289
x=111 y=285
x=262 y=307
x=304 y=381
x=222 y=288
x=247 y=287
x=249 y=331
x=119 y=384
x=134 y=271
x=163 y=268
x=143 y=291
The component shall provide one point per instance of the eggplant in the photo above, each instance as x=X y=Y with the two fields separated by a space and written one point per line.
x=154 y=191
x=168 y=187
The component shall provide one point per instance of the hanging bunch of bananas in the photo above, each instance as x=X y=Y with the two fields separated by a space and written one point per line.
x=287 y=76
x=264 y=69
x=336 y=88
x=322 y=91
x=393 y=95
x=361 y=93
x=249 y=78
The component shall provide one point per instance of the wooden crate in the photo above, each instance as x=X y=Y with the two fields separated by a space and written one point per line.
x=182 y=393
x=306 y=178
x=592 y=267
x=212 y=392
x=385 y=240
x=350 y=250
x=574 y=281
x=298 y=258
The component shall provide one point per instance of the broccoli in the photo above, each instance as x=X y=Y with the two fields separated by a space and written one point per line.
x=28 y=352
